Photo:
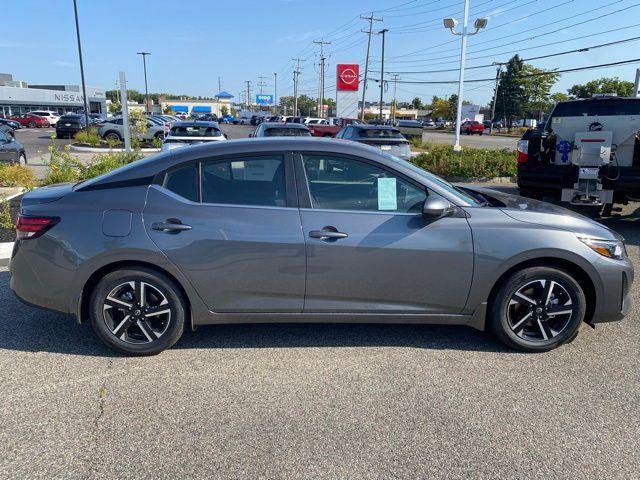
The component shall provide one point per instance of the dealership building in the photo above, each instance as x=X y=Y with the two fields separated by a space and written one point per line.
x=16 y=97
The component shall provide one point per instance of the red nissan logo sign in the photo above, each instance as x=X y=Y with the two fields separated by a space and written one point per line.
x=348 y=76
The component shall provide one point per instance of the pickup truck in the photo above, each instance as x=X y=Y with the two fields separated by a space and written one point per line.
x=335 y=125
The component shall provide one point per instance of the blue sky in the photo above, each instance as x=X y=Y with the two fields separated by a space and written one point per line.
x=194 y=42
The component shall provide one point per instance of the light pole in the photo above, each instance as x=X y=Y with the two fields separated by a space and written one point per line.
x=146 y=92
x=383 y=31
x=451 y=23
x=275 y=93
x=84 y=89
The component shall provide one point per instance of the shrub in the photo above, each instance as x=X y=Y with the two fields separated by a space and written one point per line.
x=5 y=215
x=472 y=162
x=16 y=176
x=89 y=136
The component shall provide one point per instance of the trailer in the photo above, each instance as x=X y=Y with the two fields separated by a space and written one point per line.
x=587 y=153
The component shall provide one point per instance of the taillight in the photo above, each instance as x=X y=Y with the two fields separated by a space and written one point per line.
x=33 y=227
x=523 y=151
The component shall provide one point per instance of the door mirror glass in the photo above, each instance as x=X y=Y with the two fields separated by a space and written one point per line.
x=436 y=207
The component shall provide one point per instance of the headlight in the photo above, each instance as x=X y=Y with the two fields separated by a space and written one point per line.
x=606 y=248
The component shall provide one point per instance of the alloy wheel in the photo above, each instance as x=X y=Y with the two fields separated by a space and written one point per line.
x=22 y=160
x=540 y=310
x=137 y=312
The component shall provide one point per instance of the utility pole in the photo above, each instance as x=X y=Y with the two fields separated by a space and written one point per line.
x=248 y=82
x=396 y=77
x=84 y=90
x=369 y=32
x=219 y=84
x=275 y=93
x=495 y=96
x=296 y=76
x=146 y=92
x=261 y=82
x=383 y=31
x=321 y=92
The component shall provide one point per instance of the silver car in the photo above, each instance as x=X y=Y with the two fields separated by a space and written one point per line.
x=309 y=230
x=113 y=129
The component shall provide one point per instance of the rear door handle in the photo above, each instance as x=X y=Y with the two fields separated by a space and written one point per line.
x=327 y=233
x=170 y=226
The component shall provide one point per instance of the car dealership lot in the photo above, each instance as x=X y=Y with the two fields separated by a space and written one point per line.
x=319 y=401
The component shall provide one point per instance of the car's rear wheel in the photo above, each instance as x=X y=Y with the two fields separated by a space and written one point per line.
x=137 y=311
x=537 y=309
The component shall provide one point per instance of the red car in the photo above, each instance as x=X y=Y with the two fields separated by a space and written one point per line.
x=31 y=121
x=470 y=127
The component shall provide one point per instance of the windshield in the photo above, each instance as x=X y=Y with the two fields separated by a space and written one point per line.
x=458 y=192
x=287 y=132
x=194 y=131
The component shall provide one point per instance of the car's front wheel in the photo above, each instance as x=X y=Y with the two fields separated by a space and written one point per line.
x=137 y=311
x=537 y=309
x=22 y=160
x=113 y=136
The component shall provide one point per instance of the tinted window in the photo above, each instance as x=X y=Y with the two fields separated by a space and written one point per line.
x=337 y=183
x=183 y=181
x=379 y=133
x=3 y=137
x=250 y=181
x=116 y=121
x=286 y=132
x=194 y=131
x=583 y=108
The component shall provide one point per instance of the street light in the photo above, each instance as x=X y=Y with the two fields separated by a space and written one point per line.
x=84 y=88
x=146 y=92
x=451 y=23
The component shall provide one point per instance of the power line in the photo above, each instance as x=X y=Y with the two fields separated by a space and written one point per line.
x=577 y=50
x=537 y=74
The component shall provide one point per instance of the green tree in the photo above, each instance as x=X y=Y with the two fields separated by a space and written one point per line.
x=536 y=84
x=613 y=85
x=439 y=107
x=511 y=99
x=559 y=97
x=224 y=110
x=115 y=107
x=417 y=103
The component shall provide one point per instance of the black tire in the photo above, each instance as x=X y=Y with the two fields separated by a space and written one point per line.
x=540 y=332
x=162 y=330
x=22 y=160
x=159 y=135
x=31 y=124
x=113 y=135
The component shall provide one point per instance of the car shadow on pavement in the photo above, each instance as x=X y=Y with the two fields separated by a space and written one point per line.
x=28 y=329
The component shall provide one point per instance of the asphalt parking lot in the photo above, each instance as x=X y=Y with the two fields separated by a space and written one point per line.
x=319 y=401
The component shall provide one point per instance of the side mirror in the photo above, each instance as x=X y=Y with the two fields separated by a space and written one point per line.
x=435 y=207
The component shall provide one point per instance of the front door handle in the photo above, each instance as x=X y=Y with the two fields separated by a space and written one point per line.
x=171 y=225
x=327 y=233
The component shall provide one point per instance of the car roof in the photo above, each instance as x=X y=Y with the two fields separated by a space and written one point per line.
x=195 y=123
x=299 y=126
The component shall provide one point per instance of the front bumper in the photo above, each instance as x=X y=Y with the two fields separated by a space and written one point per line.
x=614 y=302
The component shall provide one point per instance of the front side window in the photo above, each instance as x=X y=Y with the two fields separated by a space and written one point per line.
x=247 y=181
x=339 y=183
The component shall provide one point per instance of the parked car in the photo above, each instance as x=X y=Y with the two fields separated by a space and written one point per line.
x=113 y=129
x=11 y=150
x=471 y=126
x=410 y=128
x=387 y=139
x=186 y=133
x=334 y=126
x=281 y=130
x=30 y=121
x=222 y=233
x=428 y=123
x=50 y=116
x=229 y=119
x=14 y=124
x=7 y=129
x=97 y=118
x=70 y=124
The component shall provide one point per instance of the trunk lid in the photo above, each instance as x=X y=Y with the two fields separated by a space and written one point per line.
x=47 y=194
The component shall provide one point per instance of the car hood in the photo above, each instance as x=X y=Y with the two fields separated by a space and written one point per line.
x=543 y=213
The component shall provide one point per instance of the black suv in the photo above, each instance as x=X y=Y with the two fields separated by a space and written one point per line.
x=69 y=124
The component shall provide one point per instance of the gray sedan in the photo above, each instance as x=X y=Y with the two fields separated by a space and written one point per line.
x=11 y=151
x=309 y=230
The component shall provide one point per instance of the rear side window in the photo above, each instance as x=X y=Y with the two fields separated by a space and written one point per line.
x=380 y=133
x=287 y=132
x=246 y=181
x=183 y=181
x=116 y=121
x=195 y=131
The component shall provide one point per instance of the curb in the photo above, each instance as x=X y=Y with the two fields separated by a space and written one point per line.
x=75 y=148
x=5 y=253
